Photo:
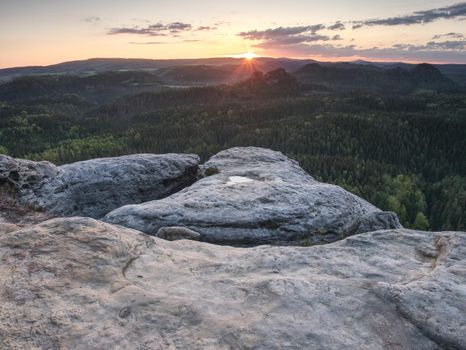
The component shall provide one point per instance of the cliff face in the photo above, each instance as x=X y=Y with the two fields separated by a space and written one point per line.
x=80 y=283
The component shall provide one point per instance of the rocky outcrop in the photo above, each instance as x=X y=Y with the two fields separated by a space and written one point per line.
x=176 y=233
x=14 y=215
x=374 y=221
x=95 y=187
x=78 y=283
x=257 y=196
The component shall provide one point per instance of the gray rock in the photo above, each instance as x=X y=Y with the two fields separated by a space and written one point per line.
x=176 y=233
x=374 y=221
x=95 y=187
x=78 y=283
x=256 y=196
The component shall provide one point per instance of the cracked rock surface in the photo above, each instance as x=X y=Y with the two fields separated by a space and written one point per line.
x=258 y=196
x=95 y=187
x=78 y=283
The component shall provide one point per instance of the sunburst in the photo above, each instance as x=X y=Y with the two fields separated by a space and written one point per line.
x=247 y=55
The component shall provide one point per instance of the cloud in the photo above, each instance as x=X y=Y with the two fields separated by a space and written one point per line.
x=163 y=42
x=447 y=51
x=177 y=26
x=92 y=19
x=293 y=39
x=157 y=29
x=149 y=43
x=337 y=26
x=418 y=17
x=452 y=45
x=205 y=28
x=273 y=33
x=449 y=35
x=314 y=40
x=283 y=36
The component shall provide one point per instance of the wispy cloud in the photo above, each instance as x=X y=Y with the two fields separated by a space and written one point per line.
x=148 y=43
x=418 y=17
x=163 y=42
x=158 y=29
x=92 y=19
x=283 y=36
x=448 y=35
x=273 y=33
x=337 y=26
x=453 y=45
x=316 y=40
x=205 y=28
x=446 y=51
x=295 y=39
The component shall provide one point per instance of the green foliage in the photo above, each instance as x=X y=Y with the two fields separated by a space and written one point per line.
x=211 y=171
x=404 y=153
x=447 y=203
x=421 y=222
x=405 y=197
x=91 y=147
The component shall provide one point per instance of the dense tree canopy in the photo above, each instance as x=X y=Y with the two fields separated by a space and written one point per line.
x=405 y=153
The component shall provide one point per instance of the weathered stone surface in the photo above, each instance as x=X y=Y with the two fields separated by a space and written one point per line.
x=255 y=196
x=6 y=227
x=176 y=233
x=78 y=283
x=14 y=215
x=95 y=187
x=374 y=221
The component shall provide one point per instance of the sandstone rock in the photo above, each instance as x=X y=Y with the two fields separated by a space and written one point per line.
x=374 y=221
x=95 y=187
x=78 y=283
x=176 y=233
x=255 y=196
x=14 y=215
x=6 y=227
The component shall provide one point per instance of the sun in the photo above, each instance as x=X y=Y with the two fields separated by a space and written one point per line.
x=247 y=55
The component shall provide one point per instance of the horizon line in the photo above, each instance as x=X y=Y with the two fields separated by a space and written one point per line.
x=319 y=60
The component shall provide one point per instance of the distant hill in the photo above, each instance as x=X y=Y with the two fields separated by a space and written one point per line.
x=104 y=86
x=455 y=72
x=206 y=71
x=345 y=76
x=97 y=88
x=99 y=65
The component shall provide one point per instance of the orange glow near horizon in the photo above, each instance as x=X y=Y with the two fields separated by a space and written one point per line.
x=49 y=32
x=247 y=55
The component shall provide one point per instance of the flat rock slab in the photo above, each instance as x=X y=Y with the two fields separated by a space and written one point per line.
x=95 y=187
x=257 y=196
x=77 y=283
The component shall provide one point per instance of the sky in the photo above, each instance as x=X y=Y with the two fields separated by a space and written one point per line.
x=42 y=32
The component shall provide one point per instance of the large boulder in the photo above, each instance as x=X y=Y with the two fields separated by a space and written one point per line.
x=77 y=283
x=257 y=196
x=95 y=187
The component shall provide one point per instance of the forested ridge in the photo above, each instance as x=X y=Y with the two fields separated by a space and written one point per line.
x=404 y=152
